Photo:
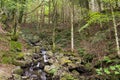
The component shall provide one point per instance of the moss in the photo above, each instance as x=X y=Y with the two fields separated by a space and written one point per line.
x=18 y=70
x=68 y=77
x=8 y=58
x=20 y=56
x=53 y=71
x=15 y=46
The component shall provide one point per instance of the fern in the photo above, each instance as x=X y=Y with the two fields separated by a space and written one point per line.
x=95 y=17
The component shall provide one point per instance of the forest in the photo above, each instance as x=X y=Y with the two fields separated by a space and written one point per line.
x=59 y=40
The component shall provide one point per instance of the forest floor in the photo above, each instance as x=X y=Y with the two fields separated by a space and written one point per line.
x=6 y=71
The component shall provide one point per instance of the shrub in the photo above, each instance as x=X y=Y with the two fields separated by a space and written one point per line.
x=15 y=46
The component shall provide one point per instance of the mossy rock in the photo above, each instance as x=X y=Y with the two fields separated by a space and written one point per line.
x=17 y=77
x=19 y=63
x=65 y=60
x=17 y=71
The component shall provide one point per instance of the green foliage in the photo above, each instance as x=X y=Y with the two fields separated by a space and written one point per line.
x=8 y=57
x=14 y=37
x=99 y=71
x=53 y=71
x=99 y=36
x=107 y=59
x=7 y=60
x=95 y=17
x=20 y=56
x=81 y=51
x=15 y=46
x=112 y=70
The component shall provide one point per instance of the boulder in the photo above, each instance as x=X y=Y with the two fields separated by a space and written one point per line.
x=17 y=77
x=20 y=63
x=65 y=60
x=17 y=70
x=50 y=53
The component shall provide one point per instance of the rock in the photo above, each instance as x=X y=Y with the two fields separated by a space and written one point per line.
x=25 y=77
x=65 y=60
x=51 y=61
x=17 y=70
x=75 y=74
x=75 y=59
x=51 y=69
x=37 y=49
x=36 y=56
x=17 y=77
x=47 y=68
x=72 y=65
x=50 y=53
x=20 y=63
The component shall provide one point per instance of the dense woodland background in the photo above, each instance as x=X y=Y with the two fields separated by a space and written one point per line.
x=86 y=28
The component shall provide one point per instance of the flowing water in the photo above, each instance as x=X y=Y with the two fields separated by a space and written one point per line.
x=35 y=70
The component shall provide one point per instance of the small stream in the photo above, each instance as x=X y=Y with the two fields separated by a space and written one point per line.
x=35 y=70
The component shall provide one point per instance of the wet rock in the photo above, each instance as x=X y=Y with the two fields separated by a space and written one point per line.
x=17 y=70
x=47 y=68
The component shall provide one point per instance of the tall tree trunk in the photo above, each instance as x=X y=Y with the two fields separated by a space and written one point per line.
x=115 y=29
x=54 y=24
x=72 y=29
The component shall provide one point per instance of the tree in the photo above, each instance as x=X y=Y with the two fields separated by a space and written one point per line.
x=72 y=27
x=115 y=29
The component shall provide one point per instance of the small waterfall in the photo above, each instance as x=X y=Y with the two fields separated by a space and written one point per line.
x=38 y=64
x=35 y=70
x=43 y=52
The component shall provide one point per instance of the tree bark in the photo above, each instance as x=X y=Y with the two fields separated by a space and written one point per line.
x=72 y=29
x=116 y=34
